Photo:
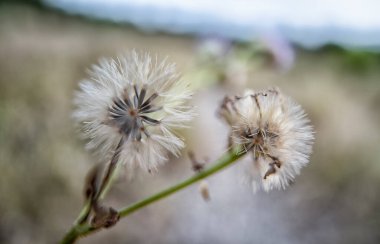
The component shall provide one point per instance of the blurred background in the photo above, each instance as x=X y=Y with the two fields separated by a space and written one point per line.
x=324 y=54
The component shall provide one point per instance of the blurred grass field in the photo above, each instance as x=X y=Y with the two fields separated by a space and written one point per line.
x=43 y=55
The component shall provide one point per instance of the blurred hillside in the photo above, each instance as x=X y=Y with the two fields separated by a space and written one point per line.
x=43 y=55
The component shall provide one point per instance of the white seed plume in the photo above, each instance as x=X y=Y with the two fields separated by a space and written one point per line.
x=133 y=103
x=274 y=131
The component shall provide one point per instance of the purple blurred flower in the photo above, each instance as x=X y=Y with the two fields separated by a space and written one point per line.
x=280 y=49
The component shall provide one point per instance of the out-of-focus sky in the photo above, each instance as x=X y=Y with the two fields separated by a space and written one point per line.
x=311 y=24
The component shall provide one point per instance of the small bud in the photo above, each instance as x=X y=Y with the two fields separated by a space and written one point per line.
x=204 y=190
x=197 y=166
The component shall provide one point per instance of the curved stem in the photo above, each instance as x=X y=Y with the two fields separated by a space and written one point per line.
x=226 y=160
x=223 y=162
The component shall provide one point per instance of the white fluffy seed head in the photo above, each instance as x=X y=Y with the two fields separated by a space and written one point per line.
x=137 y=100
x=275 y=133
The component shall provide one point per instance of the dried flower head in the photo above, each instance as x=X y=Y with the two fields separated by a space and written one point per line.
x=274 y=130
x=133 y=103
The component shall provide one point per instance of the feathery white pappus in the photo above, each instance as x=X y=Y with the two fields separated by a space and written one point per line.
x=133 y=104
x=274 y=131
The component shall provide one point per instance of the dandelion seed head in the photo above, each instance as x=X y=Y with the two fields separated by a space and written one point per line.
x=138 y=100
x=274 y=131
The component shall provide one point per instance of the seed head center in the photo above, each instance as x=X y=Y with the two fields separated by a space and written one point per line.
x=259 y=139
x=133 y=112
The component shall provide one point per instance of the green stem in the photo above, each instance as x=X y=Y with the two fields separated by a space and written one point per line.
x=226 y=160
x=110 y=182
x=104 y=186
x=223 y=162
x=75 y=232
x=83 y=213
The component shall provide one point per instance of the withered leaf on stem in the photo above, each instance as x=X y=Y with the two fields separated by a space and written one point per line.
x=104 y=217
x=91 y=185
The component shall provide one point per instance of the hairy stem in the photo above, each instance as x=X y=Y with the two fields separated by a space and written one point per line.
x=227 y=159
